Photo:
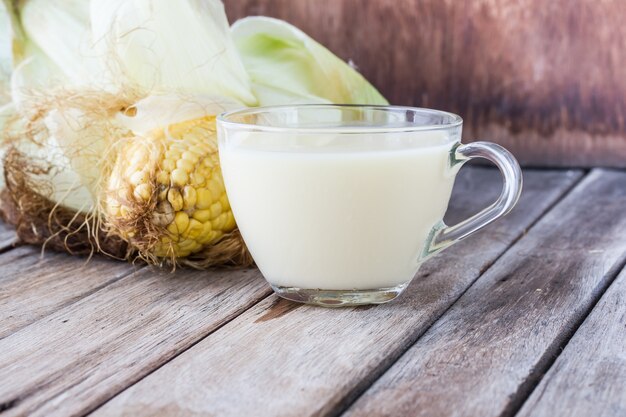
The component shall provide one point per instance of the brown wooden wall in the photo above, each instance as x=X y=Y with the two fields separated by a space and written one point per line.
x=545 y=78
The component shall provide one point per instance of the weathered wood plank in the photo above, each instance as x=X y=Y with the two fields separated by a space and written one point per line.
x=7 y=236
x=69 y=362
x=282 y=358
x=589 y=377
x=32 y=286
x=511 y=69
x=485 y=354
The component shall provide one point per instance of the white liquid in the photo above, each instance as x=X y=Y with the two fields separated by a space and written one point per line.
x=335 y=218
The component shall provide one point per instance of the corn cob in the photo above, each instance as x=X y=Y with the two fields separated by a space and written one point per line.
x=166 y=195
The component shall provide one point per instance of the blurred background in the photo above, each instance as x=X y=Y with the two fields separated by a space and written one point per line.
x=546 y=79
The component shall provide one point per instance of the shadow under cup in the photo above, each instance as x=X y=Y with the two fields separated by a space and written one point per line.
x=340 y=205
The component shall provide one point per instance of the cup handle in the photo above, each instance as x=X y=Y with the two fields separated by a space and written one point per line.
x=442 y=235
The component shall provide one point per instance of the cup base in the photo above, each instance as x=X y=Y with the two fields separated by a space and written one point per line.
x=339 y=298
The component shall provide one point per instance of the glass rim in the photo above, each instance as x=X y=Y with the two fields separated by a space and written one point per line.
x=224 y=119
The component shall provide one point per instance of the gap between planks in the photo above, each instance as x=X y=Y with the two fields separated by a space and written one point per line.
x=535 y=378
x=593 y=362
x=350 y=399
x=485 y=354
x=527 y=389
x=196 y=342
x=90 y=350
x=33 y=286
x=264 y=346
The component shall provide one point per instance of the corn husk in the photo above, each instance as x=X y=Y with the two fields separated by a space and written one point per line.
x=170 y=46
x=6 y=56
x=288 y=66
x=61 y=31
x=95 y=89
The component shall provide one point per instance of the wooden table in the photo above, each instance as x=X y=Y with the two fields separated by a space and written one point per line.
x=526 y=318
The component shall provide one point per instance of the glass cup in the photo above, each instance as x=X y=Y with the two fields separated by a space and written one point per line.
x=339 y=205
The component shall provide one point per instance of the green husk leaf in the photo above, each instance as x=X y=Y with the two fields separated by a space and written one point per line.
x=287 y=66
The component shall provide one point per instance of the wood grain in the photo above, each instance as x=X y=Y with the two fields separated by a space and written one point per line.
x=74 y=359
x=545 y=79
x=286 y=359
x=485 y=354
x=7 y=236
x=589 y=376
x=33 y=286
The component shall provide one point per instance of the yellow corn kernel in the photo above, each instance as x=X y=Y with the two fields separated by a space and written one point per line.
x=215 y=234
x=204 y=199
x=205 y=236
x=196 y=247
x=179 y=177
x=203 y=216
x=194 y=229
x=230 y=222
x=175 y=199
x=186 y=244
x=139 y=177
x=168 y=165
x=181 y=220
x=163 y=178
x=224 y=202
x=221 y=221
x=177 y=166
x=173 y=229
x=190 y=196
x=214 y=188
x=191 y=157
x=143 y=191
x=197 y=180
x=179 y=146
x=163 y=193
x=216 y=210
x=185 y=165
x=173 y=154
